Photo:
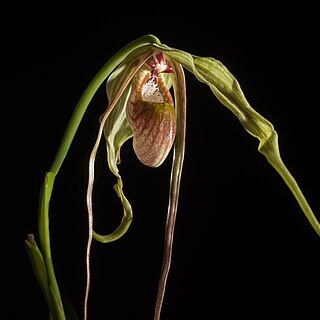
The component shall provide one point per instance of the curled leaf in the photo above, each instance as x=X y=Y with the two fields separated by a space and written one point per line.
x=114 y=125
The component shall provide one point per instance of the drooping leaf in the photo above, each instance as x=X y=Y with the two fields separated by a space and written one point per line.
x=228 y=91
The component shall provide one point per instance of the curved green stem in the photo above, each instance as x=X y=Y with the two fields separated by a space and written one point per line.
x=88 y=94
x=54 y=298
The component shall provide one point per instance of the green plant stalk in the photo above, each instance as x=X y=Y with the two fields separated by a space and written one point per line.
x=54 y=298
x=88 y=94
x=51 y=292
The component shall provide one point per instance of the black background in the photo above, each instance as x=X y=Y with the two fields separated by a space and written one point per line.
x=242 y=248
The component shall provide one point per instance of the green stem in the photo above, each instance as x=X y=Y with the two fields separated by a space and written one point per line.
x=55 y=306
x=54 y=298
x=88 y=95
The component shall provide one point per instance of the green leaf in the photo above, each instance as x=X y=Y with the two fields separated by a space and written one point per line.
x=38 y=265
x=69 y=309
x=227 y=89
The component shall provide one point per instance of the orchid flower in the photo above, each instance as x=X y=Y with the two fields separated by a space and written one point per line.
x=146 y=93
